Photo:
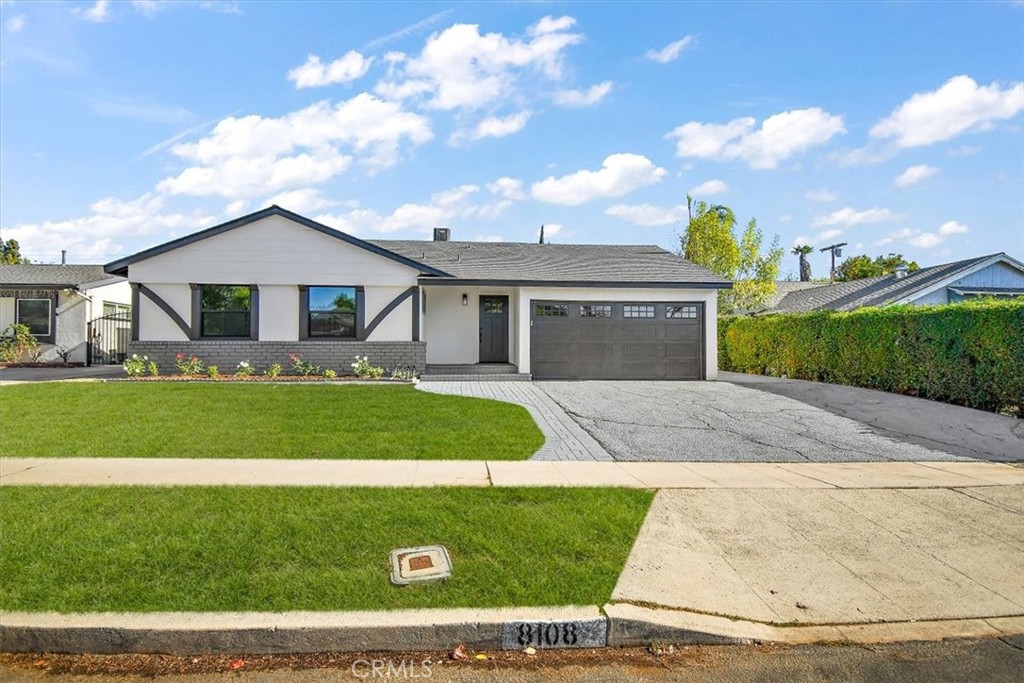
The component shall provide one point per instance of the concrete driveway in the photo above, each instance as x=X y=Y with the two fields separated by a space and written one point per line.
x=52 y=374
x=743 y=420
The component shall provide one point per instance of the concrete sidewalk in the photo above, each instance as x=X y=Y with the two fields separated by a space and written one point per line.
x=652 y=475
x=827 y=557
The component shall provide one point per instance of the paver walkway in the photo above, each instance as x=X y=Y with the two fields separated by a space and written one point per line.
x=564 y=439
x=651 y=475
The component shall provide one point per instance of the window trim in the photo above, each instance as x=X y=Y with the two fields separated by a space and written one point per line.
x=197 y=312
x=304 y=311
x=51 y=319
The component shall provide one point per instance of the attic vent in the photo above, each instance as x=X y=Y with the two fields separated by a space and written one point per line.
x=442 y=234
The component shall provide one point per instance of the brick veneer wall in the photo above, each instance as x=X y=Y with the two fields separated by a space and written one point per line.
x=335 y=355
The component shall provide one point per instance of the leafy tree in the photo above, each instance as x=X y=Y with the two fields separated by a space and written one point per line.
x=802 y=250
x=225 y=298
x=862 y=266
x=710 y=241
x=344 y=302
x=10 y=253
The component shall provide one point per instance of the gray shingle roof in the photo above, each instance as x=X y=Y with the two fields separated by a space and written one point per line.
x=871 y=291
x=542 y=263
x=44 y=275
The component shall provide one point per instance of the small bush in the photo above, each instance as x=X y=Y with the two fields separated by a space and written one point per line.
x=273 y=371
x=330 y=374
x=212 y=371
x=188 y=365
x=135 y=365
x=970 y=353
x=303 y=367
x=364 y=370
x=244 y=369
x=17 y=343
x=152 y=369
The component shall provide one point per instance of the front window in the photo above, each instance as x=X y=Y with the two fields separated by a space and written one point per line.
x=332 y=311
x=225 y=311
x=35 y=314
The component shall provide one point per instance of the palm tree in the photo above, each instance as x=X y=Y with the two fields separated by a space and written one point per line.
x=805 y=267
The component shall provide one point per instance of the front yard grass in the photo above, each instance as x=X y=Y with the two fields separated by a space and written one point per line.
x=198 y=420
x=70 y=549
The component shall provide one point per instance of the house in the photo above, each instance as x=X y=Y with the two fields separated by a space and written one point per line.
x=61 y=304
x=993 y=275
x=273 y=283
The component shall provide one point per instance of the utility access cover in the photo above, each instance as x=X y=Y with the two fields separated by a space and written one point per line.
x=420 y=565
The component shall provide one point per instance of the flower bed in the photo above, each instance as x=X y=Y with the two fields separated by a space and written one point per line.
x=193 y=369
x=42 y=364
x=263 y=378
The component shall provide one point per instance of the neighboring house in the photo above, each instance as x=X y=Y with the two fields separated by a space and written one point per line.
x=57 y=303
x=993 y=275
x=273 y=283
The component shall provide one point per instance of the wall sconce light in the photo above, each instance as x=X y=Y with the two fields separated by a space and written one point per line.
x=465 y=299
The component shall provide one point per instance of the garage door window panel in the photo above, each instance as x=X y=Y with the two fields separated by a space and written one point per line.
x=682 y=312
x=551 y=310
x=595 y=310
x=638 y=311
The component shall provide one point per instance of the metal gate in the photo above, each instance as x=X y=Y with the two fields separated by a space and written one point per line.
x=108 y=338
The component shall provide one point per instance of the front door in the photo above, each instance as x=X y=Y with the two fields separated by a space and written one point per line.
x=494 y=329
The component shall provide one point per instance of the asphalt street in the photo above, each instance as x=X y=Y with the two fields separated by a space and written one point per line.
x=951 y=661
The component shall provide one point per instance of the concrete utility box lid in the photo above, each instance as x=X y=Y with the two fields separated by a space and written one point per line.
x=420 y=565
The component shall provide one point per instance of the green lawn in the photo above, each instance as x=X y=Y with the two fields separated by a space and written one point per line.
x=198 y=420
x=71 y=549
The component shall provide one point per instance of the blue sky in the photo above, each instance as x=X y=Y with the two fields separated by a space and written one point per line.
x=890 y=126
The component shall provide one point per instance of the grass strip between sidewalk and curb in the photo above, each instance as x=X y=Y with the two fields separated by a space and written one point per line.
x=128 y=549
x=195 y=420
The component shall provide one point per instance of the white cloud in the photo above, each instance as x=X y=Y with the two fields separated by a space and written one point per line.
x=313 y=73
x=488 y=238
x=822 y=195
x=619 y=174
x=443 y=208
x=821 y=237
x=301 y=201
x=552 y=229
x=510 y=188
x=952 y=228
x=925 y=240
x=494 y=209
x=959 y=105
x=848 y=217
x=583 y=98
x=409 y=30
x=964 y=151
x=914 y=175
x=98 y=13
x=248 y=156
x=97 y=236
x=671 y=51
x=459 y=68
x=709 y=187
x=454 y=196
x=779 y=137
x=16 y=23
x=648 y=215
x=493 y=127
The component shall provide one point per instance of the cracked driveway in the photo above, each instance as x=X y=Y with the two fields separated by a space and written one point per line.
x=724 y=422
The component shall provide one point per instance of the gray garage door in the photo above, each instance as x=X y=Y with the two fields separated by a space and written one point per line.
x=598 y=340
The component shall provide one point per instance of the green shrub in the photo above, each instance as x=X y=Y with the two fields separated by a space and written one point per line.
x=17 y=343
x=970 y=353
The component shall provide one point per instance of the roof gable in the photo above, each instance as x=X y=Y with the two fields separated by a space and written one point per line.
x=120 y=267
x=887 y=289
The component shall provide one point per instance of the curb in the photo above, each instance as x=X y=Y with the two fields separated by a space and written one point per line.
x=617 y=625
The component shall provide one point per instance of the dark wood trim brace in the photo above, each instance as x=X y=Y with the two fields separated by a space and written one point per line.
x=161 y=304
x=392 y=305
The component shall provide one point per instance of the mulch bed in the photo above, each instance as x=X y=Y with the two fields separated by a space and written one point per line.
x=254 y=378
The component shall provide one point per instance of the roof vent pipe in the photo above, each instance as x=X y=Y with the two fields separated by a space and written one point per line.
x=901 y=271
x=63 y=257
x=442 y=234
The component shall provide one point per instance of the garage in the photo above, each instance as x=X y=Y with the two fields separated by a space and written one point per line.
x=617 y=340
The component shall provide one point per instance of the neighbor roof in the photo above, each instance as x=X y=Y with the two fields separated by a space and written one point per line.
x=45 y=276
x=581 y=264
x=877 y=291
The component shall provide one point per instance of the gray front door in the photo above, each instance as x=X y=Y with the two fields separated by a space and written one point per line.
x=494 y=329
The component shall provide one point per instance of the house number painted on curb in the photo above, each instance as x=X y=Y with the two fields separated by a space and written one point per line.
x=517 y=635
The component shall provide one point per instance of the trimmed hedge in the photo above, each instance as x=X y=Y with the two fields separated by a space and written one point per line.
x=970 y=353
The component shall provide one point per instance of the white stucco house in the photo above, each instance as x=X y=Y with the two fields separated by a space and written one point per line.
x=274 y=283
x=57 y=304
